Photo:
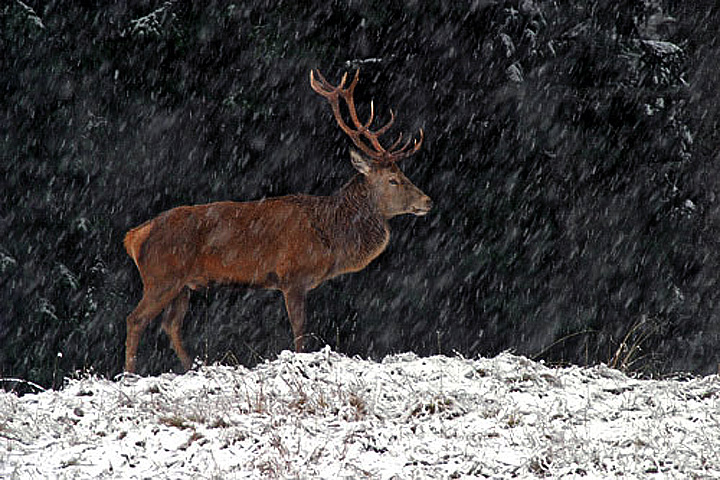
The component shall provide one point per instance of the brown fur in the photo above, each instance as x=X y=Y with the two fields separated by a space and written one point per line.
x=291 y=243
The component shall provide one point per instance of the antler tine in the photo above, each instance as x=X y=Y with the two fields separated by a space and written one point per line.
x=372 y=116
x=323 y=87
x=332 y=93
x=387 y=126
x=342 y=82
x=397 y=142
x=362 y=134
x=404 y=153
x=379 y=153
x=362 y=128
x=351 y=88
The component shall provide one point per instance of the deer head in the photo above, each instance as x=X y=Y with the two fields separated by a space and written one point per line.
x=393 y=193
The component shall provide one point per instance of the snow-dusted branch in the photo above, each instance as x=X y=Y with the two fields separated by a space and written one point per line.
x=30 y=14
x=152 y=24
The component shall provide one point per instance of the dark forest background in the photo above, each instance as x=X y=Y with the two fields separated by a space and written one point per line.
x=572 y=151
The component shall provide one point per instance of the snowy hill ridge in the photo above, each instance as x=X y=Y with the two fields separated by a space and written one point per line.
x=324 y=415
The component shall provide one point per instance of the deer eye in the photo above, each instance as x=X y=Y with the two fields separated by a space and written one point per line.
x=394 y=182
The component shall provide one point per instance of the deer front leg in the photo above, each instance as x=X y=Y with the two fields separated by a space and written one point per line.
x=295 y=305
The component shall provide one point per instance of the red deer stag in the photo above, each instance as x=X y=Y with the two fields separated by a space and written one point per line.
x=291 y=243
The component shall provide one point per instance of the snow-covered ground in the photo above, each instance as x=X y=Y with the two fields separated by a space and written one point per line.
x=324 y=415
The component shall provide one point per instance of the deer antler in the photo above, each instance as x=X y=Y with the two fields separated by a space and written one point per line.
x=362 y=130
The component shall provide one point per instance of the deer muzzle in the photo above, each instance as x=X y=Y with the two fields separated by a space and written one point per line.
x=423 y=206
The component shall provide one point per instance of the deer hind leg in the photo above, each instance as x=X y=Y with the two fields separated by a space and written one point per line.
x=295 y=305
x=172 y=322
x=152 y=303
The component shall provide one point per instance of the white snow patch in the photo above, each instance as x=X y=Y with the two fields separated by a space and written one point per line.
x=662 y=48
x=324 y=415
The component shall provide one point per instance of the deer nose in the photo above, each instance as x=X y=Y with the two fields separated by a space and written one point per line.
x=428 y=203
x=423 y=206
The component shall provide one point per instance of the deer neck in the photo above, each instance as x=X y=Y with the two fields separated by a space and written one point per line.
x=359 y=230
x=357 y=198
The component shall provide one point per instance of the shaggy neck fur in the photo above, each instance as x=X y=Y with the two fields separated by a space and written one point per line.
x=350 y=224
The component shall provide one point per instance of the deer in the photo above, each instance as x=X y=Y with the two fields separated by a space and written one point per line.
x=291 y=243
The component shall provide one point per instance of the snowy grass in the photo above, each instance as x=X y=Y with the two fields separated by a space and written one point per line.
x=324 y=415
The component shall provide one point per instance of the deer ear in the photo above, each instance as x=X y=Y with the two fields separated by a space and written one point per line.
x=360 y=163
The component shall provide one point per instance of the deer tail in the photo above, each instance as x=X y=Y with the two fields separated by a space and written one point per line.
x=134 y=240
